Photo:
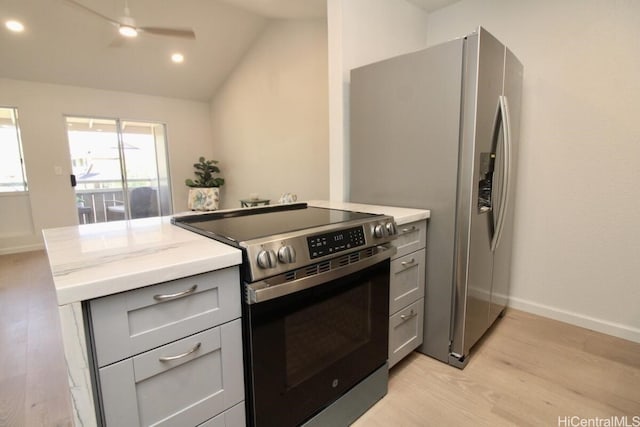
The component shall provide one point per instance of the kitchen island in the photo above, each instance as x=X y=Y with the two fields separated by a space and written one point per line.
x=118 y=260
x=97 y=260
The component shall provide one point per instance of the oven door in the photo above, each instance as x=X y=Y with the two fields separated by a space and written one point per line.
x=309 y=347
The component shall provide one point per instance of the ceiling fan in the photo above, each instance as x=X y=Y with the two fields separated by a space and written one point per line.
x=127 y=26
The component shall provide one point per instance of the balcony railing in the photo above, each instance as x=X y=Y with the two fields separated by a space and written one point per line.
x=93 y=203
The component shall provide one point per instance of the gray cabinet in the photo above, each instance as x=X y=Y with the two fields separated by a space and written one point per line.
x=406 y=293
x=407 y=280
x=131 y=322
x=232 y=417
x=411 y=237
x=171 y=354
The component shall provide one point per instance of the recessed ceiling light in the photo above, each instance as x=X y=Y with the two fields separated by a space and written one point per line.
x=177 y=58
x=15 y=26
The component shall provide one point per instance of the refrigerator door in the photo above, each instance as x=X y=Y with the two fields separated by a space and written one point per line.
x=405 y=122
x=477 y=190
x=502 y=255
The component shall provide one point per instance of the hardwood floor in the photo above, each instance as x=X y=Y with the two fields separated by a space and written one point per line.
x=33 y=379
x=528 y=371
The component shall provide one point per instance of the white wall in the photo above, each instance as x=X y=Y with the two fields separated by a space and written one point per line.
x=361 y=32
x=41 y=108
x=577 y=237
x=16 y=223
x=270 y=118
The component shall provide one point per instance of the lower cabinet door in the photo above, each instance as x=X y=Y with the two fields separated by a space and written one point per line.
x=183 y=383
x=411 y=237
x=407 y=280
x=405 y=331
x=232 y=417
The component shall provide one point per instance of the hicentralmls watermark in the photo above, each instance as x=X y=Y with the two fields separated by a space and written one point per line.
x=614 y=421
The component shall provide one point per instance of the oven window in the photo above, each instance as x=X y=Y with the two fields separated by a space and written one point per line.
x=319 y=335
x=308 y=348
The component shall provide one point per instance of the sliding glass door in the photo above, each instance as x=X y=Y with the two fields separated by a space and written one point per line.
x=120 y=168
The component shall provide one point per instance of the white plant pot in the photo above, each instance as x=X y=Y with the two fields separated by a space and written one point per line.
x=203 y=199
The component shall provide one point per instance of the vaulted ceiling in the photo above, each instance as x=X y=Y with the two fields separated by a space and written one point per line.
x=64 y=44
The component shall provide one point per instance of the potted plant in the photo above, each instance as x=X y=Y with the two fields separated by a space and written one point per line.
x=204 y=191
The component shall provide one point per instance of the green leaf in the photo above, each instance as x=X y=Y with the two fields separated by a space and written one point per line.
x=204 y=171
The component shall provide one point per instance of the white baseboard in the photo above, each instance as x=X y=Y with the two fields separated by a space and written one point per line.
x=24 y=248
x=610 y=328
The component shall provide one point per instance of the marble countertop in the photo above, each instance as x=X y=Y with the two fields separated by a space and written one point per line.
x=94 y=260
x=401 y=215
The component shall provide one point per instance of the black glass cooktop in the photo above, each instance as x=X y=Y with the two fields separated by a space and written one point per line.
x=243 y=225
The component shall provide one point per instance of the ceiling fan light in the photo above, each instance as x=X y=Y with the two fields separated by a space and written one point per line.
x=127 y=31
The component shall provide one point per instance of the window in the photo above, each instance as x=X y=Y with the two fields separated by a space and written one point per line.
x=120 y=167
x=12 y=176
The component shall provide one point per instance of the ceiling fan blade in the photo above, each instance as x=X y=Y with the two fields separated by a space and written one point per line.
x=171 y=32
x=93 y=12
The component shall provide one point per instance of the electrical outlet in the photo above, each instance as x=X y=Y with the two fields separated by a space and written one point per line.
x=57 y=170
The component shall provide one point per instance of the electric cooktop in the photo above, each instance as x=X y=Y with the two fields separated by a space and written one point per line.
x=249 y=224
x=280 y=238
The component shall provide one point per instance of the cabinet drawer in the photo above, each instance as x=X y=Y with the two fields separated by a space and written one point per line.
x=131 y=322
x=405 y=331
x=407 y=280
x=232 y=417
x=180 y=384
x=411 y=237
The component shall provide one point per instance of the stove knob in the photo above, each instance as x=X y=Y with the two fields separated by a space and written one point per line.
x=391 y=228
x=379 y=230
x=267 y=259
x=287 y=254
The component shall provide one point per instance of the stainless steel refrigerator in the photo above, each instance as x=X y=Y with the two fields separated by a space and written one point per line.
x=438 y=129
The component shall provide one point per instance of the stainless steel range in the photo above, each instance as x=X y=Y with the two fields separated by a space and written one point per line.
x=316 y=307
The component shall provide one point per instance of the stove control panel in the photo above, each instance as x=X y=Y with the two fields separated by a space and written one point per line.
x=335 y=241
x=278 y=254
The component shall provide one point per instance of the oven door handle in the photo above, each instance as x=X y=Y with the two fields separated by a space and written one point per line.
x=263 y=290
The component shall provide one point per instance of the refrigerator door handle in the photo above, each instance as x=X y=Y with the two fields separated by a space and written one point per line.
x=506 y=168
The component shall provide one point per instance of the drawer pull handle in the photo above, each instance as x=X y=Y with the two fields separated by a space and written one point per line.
x=406 y=317
x=405 y=263
x=180 y=356
x=176 y=295
x=410 y=229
